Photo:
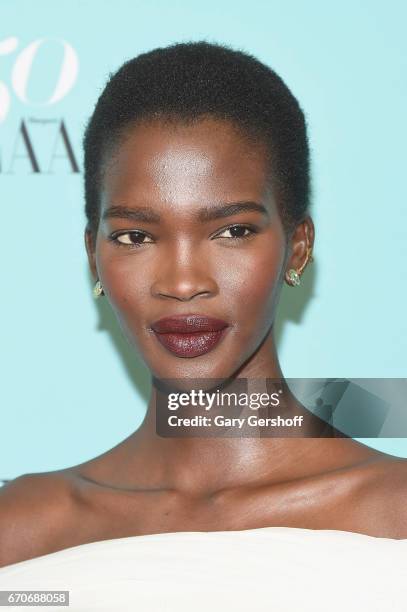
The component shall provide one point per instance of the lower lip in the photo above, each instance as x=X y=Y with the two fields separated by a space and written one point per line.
x=192 y=344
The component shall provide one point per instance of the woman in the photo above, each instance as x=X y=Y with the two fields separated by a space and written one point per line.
x=197 y=198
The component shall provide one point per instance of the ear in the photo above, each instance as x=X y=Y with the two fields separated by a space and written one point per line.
x=90 y=249
x=301 y=245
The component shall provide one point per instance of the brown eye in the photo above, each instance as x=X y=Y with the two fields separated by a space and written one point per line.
x=238 y=231
x=130 y=239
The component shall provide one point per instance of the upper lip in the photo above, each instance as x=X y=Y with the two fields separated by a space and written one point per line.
x=187 y=323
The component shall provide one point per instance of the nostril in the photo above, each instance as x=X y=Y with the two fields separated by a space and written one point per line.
x=184 y=298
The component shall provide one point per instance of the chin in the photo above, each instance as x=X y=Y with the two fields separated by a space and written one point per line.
x=203 y=372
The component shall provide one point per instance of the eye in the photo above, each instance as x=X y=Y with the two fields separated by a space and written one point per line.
x=238 y=232
x=130 y=240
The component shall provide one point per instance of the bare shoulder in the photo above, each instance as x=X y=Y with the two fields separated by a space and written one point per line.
x=382 y=497
x=33 y=515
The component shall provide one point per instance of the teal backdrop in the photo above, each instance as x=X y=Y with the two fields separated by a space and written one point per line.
x=71 y=388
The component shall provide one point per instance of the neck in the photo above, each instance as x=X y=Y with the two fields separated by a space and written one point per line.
x=204 y=464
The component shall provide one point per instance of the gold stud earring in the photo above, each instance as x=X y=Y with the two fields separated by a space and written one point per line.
x=97 y=289
x=293 y=278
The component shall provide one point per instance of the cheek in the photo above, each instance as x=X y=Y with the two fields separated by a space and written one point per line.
x=126 y=287
x=252 y=286
x=127 y=290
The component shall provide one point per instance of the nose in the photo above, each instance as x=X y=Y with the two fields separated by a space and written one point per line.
x=183 y=277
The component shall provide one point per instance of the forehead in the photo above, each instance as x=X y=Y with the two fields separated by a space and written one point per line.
x=182 y=164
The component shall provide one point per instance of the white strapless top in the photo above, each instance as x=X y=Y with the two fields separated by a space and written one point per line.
x=281 y=569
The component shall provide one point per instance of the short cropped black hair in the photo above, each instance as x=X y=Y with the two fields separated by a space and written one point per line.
x=188 y=81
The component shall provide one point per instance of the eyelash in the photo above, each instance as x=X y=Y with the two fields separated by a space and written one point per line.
x=115 y=235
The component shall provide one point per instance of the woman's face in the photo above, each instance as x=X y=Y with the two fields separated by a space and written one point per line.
x=179 y=261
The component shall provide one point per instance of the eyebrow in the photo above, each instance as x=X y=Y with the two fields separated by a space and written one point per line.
x=204 y=214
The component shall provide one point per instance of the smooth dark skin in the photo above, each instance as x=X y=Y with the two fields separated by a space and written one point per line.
x=149 y=484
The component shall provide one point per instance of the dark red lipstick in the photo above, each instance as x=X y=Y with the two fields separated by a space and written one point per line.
x=189 y=335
